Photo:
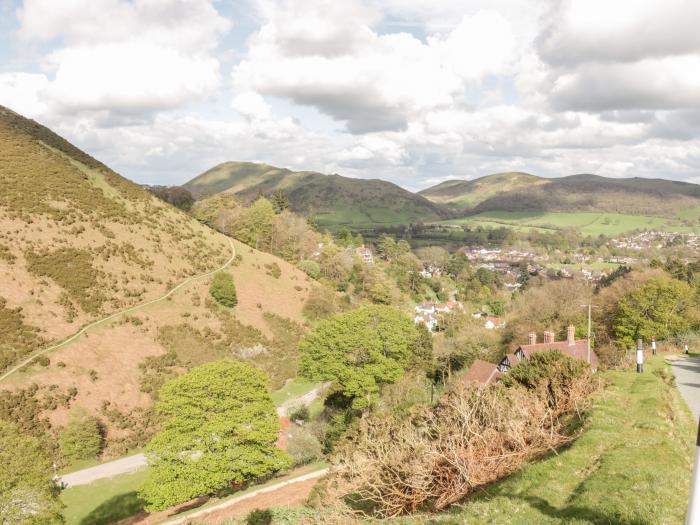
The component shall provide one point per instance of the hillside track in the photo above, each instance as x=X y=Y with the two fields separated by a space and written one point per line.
x=117 y=314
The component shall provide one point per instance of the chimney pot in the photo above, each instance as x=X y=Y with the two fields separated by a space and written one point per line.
x=532 y=338
x=548 y=337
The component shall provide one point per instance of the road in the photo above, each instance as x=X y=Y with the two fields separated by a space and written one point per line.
x=105 y=470
x=687 y=372
x=137 y=461
x=117 y=314
x=233 y=501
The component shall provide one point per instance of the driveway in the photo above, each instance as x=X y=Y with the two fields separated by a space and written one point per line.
x=687 y=372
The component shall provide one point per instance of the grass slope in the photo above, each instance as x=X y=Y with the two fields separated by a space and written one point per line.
x=631 y=466
x=78 y=242
x=334 y=200
x=576 y=193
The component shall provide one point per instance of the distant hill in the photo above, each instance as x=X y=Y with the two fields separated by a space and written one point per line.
x=333 y=200
x=78 y=243
x=575 y=193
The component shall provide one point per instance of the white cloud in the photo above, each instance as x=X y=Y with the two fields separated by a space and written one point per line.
x=371 y=81
x=23 y=92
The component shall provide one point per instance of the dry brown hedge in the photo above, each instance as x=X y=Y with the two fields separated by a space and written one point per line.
x=472 y=437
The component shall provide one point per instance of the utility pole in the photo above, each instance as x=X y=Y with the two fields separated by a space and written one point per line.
x=588 y=337
x=640 y=356
x=693 y=515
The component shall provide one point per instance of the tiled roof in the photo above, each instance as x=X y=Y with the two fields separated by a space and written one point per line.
x=482 y=372
x=579 y=350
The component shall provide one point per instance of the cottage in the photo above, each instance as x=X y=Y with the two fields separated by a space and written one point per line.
x=491 y=323
x=482 y=373
x=576 y=348
x=365 y=254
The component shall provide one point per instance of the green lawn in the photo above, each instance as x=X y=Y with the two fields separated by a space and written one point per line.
x=294 y=388
x=104 y=501
x=631 y=466
x=586 y=223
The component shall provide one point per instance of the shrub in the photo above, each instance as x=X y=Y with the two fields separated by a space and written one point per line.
x=259 y=517
x=223 y=289
x=81 y=439
x=320 y=304
x=310 y=268
x=274 y=270
x=300 y=413
x=473 y=437
x=42 y=360
x=303 y=446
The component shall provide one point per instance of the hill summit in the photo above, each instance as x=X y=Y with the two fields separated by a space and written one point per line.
x=575 y=193
x=333 y=200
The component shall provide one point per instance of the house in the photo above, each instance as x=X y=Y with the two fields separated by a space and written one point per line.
x=425 y=308
x=482 y=373
x=576 y=348
x=491 y=323
x=365 y=254
x=429 y=320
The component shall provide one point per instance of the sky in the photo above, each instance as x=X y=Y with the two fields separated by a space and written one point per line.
x=411 y=91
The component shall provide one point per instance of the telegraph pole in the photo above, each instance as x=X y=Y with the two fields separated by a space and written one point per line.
x=588 y=337
x=693 y=516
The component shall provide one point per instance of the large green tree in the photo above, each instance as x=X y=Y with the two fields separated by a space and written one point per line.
x=661 y=308
x=81 y=438
x=361 y=350
x=219 y=427
x=26 y=493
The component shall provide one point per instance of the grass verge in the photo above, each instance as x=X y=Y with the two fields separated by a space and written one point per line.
x=631 y=466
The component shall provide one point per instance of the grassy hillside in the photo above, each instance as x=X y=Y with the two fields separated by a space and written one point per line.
x=520 y=192
x=332 y=199
x=79 y=243
x=586 y=223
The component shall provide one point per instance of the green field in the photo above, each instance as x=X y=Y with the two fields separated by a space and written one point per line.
x=631 y=466
x=586 y=223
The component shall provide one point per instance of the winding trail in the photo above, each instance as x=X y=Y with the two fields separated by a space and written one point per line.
x=117 y=314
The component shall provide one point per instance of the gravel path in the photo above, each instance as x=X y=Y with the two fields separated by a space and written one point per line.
x=687 y=372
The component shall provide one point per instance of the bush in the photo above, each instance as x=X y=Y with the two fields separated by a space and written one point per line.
x=274 y=270
x=320 y=304
x=42 y=360
x=81 y=439
x=259 y=517
x=473 y=437
x=223 y=289
x=300 y=413
x=303 y=446
x=310 y=268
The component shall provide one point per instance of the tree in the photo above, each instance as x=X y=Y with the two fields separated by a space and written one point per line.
x=223 y=289
x=26 y=493
x=219 y=427
x=81 y=438
x=255 y=224
x=361 y=350
x=661 y=308
x=280 y=201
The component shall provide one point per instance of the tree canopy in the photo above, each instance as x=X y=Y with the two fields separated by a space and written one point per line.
x=661 y=308
x=223 y=289
x=26 y=493
x=220 y=426
x=361 y=350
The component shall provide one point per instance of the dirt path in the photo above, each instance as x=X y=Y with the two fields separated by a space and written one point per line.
x=289 y=492
x=117 y=314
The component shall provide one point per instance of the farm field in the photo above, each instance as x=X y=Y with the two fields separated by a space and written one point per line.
x=587 y=223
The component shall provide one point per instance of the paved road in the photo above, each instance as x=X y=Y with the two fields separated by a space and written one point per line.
x=117 y=314
x=105 y=470
x=687 y=372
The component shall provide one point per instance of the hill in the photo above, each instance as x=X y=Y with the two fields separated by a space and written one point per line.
x=522 y=192
x=78 y=244
x=333 y=200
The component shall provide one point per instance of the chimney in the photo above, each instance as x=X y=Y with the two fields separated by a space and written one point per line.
x=548 y=337
x=531 y=338
x=571 y=335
